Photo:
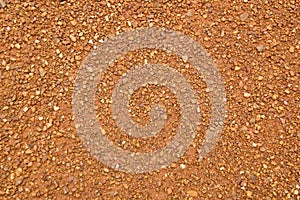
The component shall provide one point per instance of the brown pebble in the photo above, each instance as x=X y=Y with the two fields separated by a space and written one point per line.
x=260 y=47
x=192 y=193
x=2 y=3
x=73 y=22
x=19 y=180
x=292 y=49
x=244 y=16
x=42 y=72
x=73 y=38
x=249 y=194
x=77 y=58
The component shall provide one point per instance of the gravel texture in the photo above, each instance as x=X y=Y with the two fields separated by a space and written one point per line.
x=254 y=44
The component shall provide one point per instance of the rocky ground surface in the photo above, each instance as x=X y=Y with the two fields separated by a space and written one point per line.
x=254 y=44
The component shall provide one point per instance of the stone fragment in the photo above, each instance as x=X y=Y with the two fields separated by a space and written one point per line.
x=73 y=22
x=72 y=37
x=249 y=194
x=77 y=58
x=42 y=72
x=192 y=193
x=244 y=16
x=19 y=180
x=246 y=94
x=18 y=46
x=2 y=3
x=25 y=109
x=260 y=48
x=55 y=108
x=185 y=58
x=292 y=49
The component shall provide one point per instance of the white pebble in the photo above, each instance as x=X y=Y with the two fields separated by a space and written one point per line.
x=56 y=108
x=246 y=94
x=25 y=109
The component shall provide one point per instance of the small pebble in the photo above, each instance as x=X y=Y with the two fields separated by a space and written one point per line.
x=244 y=16
x=73 y=22
x=73 y=38
x=77 y=58
x=56 y=108
x=19 y=180
x=192 y=193
x=18 y=46
x=25 y=109
x=42 y=72
x=260 y=48
x=249 y=194
x=246 y=94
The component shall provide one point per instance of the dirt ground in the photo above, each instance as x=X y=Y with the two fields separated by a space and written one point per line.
x=255 y=46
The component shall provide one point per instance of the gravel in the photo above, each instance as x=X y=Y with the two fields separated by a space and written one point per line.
x=254 y=44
